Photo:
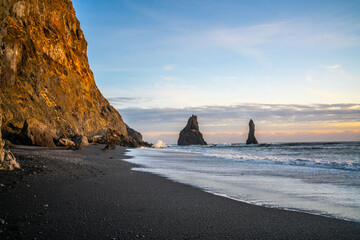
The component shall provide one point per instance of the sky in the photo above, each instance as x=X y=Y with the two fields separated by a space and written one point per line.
x=291 y=66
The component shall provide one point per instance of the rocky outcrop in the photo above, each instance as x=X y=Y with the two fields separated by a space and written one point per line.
x=110 y=146
x=82 y=141
x=64 y=141
x=133 y=133
x=45 y=73
x=7 y=159
x=251 y=137
x=37 y=133
x=191 y=134
x=115 y=138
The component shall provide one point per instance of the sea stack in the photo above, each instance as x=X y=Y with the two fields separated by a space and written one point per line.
x=191 y=134
x=45 y=74
x=251 y=138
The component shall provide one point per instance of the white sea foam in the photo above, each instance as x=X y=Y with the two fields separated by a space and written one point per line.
x=159 y=144
x=319 y=178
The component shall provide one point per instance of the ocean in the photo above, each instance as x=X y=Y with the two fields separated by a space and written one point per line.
x=318 y=178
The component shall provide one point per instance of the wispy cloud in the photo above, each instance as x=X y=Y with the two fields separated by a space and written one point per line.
x=116 y=69
x=322 y=93
x=169 y=67
x=170 y=78
x=332 y=67
x=118 y=101
x=279 y=113
x=221 y=122
x=253 y=40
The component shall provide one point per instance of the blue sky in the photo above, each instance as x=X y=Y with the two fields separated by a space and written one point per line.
x=177 y=58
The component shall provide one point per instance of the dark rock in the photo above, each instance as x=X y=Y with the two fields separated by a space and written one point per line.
x=133 y=133
x=191 y=134
x=251 y=137
x=82 y=140
x=110 y=146
x=64 y=141
x=112 y=136
x=9 y=144
x=75 y=147
x=36 y=133
x=95 y=139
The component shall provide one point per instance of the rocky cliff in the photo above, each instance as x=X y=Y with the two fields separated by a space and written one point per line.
x=251 y=137
x=191 y=134
x=45 y=73
x=133 y=133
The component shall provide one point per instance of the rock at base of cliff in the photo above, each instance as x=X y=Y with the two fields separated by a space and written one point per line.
x=63 y=141
x=121 y=140
x=110 y=146
x=134 y=134
x=75 y=147
x=191 y=134
x=82 y=141
x=7 y=159
x=251 y=137
x=37 y=134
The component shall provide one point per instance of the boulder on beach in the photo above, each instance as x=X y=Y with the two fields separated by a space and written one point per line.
x=95 y=139
x=251 y=137
x=64 y=141
x=36 y=133
x=82 y=141
x=110 y=146
x=191 y=134
x=75 y=147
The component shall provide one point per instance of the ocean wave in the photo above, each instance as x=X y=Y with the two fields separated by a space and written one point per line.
x=345 y=165
x=309 y=157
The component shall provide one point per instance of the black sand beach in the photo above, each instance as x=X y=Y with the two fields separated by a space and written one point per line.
x=89 y=194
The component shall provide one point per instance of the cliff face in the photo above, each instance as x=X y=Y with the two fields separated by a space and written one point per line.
x=44 y=71
x=133 y=133
x=191 y=134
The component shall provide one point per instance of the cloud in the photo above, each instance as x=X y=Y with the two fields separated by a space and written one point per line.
x=235 y=118
x=332 y=67
x=116 y=101
x=101 y=69
x=170 y=78
x=255 y=40
x=321 y=93
x=274 y=122
x=169 y=67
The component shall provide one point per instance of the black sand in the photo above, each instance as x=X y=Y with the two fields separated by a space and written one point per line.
x=64 y=194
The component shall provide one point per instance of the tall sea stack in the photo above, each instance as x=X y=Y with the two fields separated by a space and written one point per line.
x=45 y=73
x=251 y=137
x=191 y=134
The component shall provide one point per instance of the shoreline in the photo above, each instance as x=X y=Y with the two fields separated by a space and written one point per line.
x=95 y=194
x=136 y=167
